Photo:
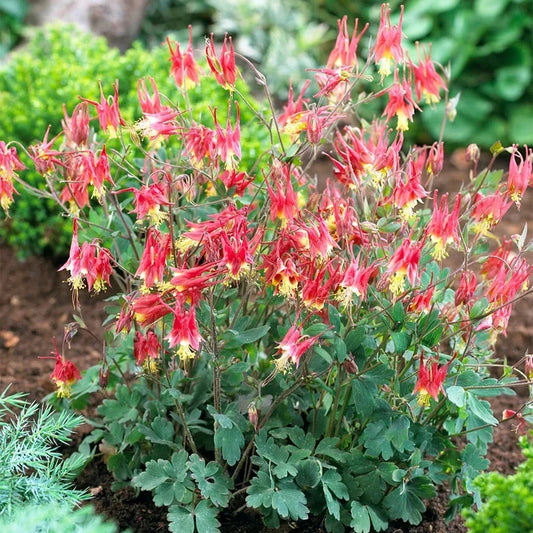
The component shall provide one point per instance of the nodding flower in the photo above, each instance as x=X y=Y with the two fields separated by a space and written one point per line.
x=65 y=373
x=292 y=347
x=184 y=68
x=404 y=264
x=443 y=226
x=146 y=350
x=520 y=174
x=388 y=48
x=427 y=81
x=400 y=103
x=430 y=381
x=184 y=332
x=224 y=69
x=9 y=165
x=107 y=109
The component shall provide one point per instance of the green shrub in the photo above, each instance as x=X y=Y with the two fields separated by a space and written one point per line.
x=507 y=500
x=32 y=470
x=58 y=65
x=53 y=518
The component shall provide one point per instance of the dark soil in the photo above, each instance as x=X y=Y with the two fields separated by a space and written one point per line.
x=35 y=303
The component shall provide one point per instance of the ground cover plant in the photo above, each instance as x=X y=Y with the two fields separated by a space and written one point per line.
x=507 y=500
x=294 y=347
x=32 y=471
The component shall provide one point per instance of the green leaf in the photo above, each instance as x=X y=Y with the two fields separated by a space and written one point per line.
x=481 y=409
x=161 y=431
x=511 y=81
x=332 y=479
x=260 y=491
x=363 y=393
x=456 y=395
x=212 y=482
x=230 y=441
x=289 y=501
x=360 y=518
x=154 y=475
x=309 y=473
x=355 y=338
x=248 y=336
x=168 y=479
x=401 y=341
x=379 y=523
x=405 y=502
x=180 y=519
x=328 y=447
x=206 y=518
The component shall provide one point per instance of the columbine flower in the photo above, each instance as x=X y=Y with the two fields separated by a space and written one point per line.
x=78 y=262
x=430 y=381
x=489 y=210
x=404 y=264
x=510 y=414
x=400 y=103
x=289 y=120
x=224 y=69
x=388 y=48
x=153 y=261
x=443 y=226
x=101 y=173
x=65 y=373
x=292 y=347
x=9 y=165
x=146 y=349
x=519 y=174
x=107 y=109
x=43 y=156
x=421 y=301
x=467 y=288
x=146 y=310
x=283 y=199
x=76 y=127
x=184 y=332
x=408 y=193
x=344 y=54
x=184 y=68
x=355 y=281
x=427 y=82
x=228 y=142
x=98 y=277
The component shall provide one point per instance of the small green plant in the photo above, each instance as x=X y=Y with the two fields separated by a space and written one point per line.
x=32 y=470
x=55 y=518
x=507 y=500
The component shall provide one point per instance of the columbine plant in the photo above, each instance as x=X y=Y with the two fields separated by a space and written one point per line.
x=293 y=346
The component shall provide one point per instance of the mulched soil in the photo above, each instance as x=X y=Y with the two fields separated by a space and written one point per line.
x=35 y=303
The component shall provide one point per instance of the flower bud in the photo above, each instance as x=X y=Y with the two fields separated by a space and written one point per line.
x=472 y=153
x=529 y=365
x=349 y=365
x=103 y=375
x=253 y=416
